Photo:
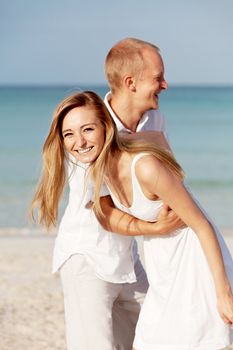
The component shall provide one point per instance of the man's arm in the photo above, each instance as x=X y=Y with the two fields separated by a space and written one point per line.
x=115 y=220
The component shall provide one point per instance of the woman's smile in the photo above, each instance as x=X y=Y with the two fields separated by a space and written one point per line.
x=83 y=134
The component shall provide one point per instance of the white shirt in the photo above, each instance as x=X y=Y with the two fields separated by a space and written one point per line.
x=152 y=120
x=112 y=256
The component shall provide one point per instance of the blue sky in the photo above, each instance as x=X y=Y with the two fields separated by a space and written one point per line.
x=65 y=41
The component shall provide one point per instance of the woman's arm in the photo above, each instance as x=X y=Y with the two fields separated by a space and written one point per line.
x=118 y=221
x=171 y=189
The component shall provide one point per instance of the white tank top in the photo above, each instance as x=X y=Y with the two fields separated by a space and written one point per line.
x=142 y=207
x=173 y=262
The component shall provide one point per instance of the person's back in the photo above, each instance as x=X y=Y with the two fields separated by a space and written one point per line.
x=189 y=314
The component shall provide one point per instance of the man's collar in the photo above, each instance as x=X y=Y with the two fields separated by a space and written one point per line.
x=118 y=123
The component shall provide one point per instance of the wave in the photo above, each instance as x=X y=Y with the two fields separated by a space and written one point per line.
x=210 y=183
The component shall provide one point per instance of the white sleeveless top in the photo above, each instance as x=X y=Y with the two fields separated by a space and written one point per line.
x=179 y=311
x=142 y=207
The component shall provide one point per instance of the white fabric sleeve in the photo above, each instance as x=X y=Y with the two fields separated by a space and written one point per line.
x=156 y=122
x=104 y=191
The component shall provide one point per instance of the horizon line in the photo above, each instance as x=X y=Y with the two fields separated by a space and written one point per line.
x=105 y=85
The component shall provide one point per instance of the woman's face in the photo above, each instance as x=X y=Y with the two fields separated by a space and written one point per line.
x=83 y=134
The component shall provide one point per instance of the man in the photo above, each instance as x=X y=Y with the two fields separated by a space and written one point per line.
x=135 y=72
x=103 y=281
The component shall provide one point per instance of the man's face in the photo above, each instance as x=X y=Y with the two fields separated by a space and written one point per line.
x=151 y=81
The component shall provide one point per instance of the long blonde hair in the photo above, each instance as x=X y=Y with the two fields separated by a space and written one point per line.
x=53 y=178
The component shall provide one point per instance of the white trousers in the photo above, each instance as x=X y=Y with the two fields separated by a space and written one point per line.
x=100 y=315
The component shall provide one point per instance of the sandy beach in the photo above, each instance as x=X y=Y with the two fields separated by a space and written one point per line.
x=31 y=302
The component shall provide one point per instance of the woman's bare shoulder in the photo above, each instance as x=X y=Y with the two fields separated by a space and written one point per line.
x=147 y=168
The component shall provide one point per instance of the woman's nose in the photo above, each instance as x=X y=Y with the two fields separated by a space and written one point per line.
x=80 y=141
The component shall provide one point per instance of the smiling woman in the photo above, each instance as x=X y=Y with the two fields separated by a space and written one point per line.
x=83 y=134
x=78 y=126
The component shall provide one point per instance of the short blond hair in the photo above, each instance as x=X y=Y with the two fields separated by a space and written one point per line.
x=125 y=57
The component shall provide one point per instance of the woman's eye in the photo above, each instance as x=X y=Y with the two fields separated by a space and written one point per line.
x=67 y=135
x=88 y=129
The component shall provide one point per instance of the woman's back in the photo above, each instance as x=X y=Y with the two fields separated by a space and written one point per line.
x=180 y=308
x=126 y=191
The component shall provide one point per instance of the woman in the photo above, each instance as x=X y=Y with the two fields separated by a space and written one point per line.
x=189 y=304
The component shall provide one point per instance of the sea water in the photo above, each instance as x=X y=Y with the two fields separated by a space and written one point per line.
x=200 y=129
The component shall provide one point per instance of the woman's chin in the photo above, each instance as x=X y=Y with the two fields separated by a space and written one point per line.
x=87 y=159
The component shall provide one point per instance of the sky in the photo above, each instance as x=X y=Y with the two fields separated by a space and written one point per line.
x=53 y=42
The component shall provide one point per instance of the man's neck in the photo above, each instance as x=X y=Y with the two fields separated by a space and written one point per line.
x=125 y=112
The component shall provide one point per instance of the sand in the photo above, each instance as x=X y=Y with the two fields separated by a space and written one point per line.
x=31 y=302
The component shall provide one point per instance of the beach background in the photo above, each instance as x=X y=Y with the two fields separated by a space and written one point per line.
x=50 y=49
x=199 y=123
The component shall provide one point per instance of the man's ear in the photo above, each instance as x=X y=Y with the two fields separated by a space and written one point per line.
x=129 y=82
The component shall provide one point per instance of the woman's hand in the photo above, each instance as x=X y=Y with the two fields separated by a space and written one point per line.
x=225 y=307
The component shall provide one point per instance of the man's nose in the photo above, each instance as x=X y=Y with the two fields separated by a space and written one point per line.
x=164 y=85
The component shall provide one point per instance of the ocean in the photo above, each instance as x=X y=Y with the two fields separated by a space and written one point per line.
x=200 y=129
